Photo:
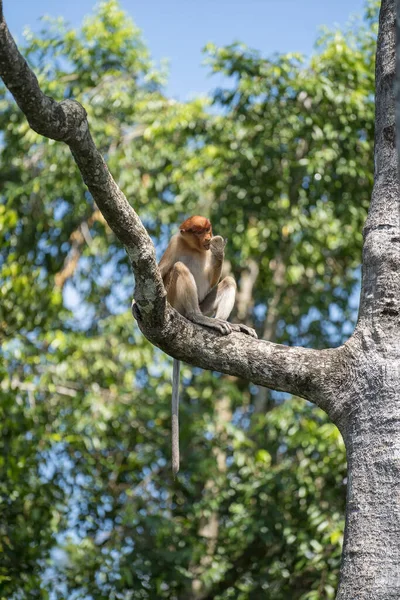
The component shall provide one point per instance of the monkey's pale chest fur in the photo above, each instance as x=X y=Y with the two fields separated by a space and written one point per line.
x=200 y=269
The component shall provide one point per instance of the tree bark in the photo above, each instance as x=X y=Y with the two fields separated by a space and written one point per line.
x=371 y=427
x=358 y=384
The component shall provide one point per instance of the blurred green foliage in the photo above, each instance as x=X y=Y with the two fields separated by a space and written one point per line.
x=281 y=161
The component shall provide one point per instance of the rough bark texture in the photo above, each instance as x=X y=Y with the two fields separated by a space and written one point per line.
x=371 y=427
x=358 y=385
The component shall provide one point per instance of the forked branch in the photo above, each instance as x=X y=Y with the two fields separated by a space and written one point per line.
x=316 y=375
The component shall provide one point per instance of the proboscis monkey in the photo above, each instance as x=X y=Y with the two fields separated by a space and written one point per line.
x=191 y=268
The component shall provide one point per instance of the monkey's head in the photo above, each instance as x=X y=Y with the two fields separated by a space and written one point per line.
x=197 y=232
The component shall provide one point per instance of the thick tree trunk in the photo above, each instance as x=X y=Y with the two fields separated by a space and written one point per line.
x=371 y=553
x=371 y=419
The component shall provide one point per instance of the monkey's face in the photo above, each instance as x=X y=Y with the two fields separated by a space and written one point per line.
x=199 y=240
x=205 y=238
x=197 y=232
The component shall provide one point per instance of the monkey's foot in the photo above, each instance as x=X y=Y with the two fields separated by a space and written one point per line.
x=244 y=329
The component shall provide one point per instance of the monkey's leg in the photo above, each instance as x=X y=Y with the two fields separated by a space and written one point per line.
x=219 y=302
x=182 y=295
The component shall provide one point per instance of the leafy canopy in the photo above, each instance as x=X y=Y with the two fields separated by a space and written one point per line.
x=281 y=161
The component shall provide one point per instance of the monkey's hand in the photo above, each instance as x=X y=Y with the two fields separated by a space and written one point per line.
x=243 y=329
x=217 y=247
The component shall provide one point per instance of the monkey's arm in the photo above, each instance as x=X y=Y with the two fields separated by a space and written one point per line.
x=217 y=247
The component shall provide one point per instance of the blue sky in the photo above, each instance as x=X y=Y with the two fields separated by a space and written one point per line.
x=178 y=29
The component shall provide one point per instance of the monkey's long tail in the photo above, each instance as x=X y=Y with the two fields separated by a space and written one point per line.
x=175 y=416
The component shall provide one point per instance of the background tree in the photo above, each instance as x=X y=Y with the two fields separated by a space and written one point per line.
x=83 y=379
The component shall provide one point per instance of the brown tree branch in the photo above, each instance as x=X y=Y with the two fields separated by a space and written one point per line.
x=308 y=373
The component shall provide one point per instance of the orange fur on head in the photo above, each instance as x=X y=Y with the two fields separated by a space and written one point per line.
x=196 y=224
